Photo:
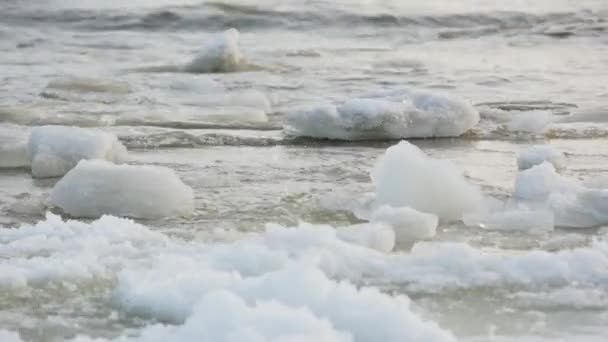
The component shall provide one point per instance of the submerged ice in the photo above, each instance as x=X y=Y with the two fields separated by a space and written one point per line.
x=409 y=115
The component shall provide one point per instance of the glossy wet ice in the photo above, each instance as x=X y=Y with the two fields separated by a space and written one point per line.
x=510 y=60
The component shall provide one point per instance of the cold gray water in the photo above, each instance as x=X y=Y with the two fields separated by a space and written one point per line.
x=276 y=245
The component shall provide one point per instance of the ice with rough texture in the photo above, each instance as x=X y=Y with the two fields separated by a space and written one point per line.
x=410 y=225
x=411 y=115
x=54 y=251
x=54 y=150
x=406 y=177
x=206 y=292
x=164 y=277
x=538 y=154
x=312 y=306
x=95 y=188
x=220 y=54
x=267 y=287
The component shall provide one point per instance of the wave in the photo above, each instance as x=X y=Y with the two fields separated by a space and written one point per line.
x=219 y=16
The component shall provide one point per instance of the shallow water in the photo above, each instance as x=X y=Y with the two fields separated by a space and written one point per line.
x=93 y=63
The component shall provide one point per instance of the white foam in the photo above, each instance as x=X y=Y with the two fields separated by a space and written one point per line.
x=535 y=122
x=95 y=188
x=410 y=225
x=406 y=177
x=412 y=115
x=54 y=150
x=220 y=54
x=538 y=154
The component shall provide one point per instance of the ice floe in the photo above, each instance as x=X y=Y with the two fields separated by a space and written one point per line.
x=407 y=177
x=220 y=54
x=95 y=188
x=54 y=150
x=411 y=115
